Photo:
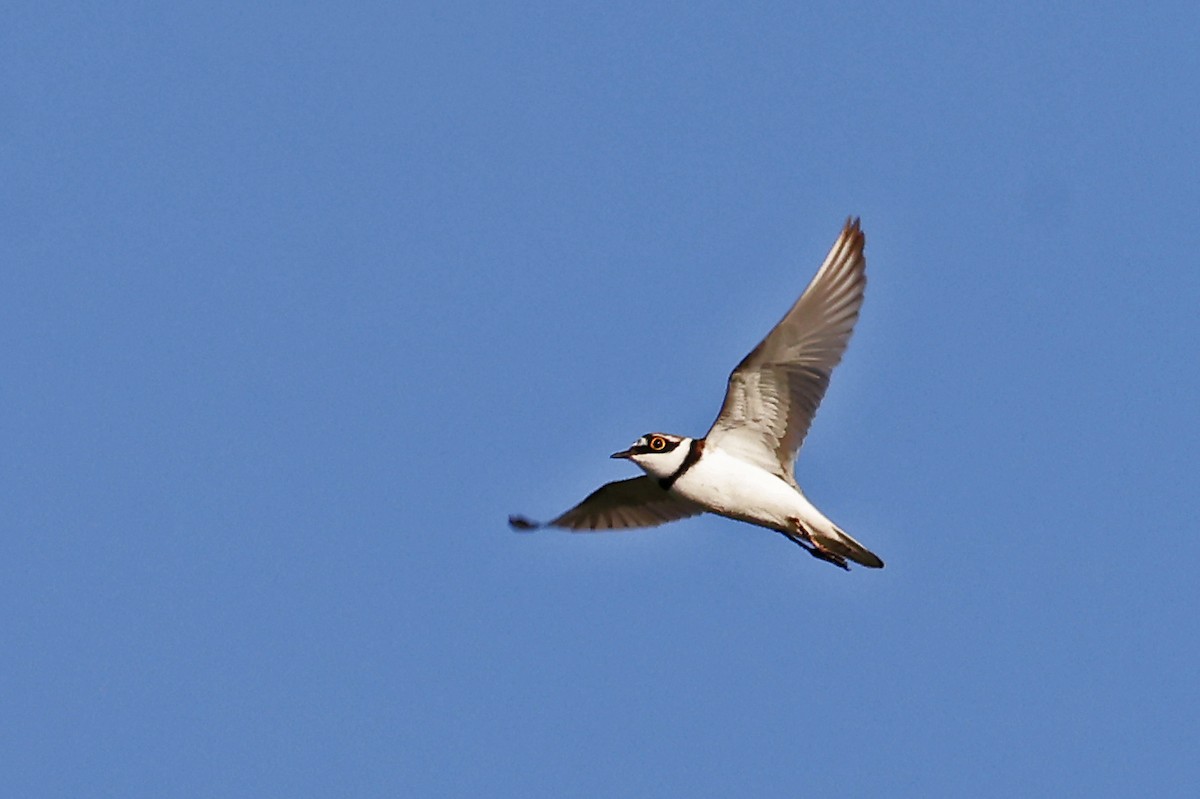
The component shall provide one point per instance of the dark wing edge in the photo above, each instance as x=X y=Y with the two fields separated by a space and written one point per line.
x=620 y=505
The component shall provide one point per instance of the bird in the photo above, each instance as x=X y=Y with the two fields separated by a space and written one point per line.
x=743 y=468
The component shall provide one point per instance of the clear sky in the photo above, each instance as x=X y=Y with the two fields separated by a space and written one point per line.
x=297 y=303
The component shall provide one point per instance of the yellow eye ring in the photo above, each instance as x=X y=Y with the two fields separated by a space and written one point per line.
x=658 y=444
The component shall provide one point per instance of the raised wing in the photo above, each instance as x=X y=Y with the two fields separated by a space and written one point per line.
x=636 y=502
x=774 y=392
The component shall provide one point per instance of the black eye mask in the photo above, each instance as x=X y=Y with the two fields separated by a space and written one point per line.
x=646 y=449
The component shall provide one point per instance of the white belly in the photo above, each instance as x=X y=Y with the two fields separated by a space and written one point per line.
x=731 y=487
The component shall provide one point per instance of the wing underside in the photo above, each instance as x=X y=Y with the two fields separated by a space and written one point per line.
x=774 y=393
x=621 y=505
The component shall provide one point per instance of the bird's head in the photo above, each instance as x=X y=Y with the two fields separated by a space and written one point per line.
x=659 y=454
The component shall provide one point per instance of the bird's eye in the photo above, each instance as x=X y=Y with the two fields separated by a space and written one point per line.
x=658 y=443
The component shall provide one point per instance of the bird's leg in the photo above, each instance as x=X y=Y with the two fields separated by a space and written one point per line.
x=806 y=542
x=829 y=557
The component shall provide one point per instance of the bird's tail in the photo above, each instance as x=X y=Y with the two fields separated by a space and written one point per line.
x=837 y=542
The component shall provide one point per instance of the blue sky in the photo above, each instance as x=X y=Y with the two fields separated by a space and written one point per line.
x=299 y=302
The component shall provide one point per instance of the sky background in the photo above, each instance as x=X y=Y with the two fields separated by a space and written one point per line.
x=298 y=302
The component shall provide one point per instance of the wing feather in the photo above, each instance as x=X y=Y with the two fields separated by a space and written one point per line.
x=636 y=502
x=774 y=393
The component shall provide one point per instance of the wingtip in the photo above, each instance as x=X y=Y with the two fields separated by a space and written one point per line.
x=853 y=228
x=522 y=524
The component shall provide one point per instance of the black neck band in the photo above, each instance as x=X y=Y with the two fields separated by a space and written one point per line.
x=695 y=448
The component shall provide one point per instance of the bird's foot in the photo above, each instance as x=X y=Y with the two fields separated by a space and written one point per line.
x=810 y=545
x=829 y=557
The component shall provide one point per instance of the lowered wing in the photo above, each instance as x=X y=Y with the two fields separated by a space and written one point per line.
x=636 y=502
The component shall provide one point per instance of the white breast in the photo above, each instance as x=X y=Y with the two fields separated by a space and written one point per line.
x=739 y=490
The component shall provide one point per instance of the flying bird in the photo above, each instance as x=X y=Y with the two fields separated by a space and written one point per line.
x=743 y=468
